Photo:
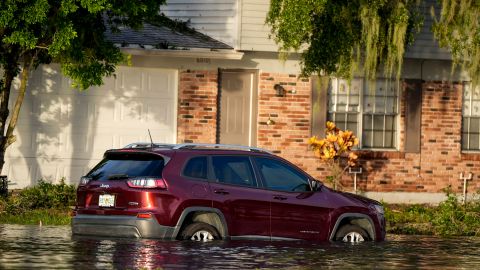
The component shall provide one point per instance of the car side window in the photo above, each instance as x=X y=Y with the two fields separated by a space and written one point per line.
x=236 y=170
x=280 y=176
x=196 y=168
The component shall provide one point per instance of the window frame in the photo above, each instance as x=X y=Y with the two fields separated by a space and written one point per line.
x=470 y=102
x=360 y=113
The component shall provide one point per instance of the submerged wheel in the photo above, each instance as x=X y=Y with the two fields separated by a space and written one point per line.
x=351 y=234
x=200 y=232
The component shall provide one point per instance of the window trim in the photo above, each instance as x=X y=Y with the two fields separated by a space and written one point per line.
x=470 y=101
x=360 y=113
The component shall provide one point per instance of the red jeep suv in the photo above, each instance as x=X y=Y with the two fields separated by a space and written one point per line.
x=202 y=192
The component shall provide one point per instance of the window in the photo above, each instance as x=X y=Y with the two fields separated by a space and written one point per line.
x=471 y=118
x=196 y=168
x=127 y=166
x=370 y=114
x=279 y=176
x=233 y=170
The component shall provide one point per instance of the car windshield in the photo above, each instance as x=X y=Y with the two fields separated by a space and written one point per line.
x=126 y=166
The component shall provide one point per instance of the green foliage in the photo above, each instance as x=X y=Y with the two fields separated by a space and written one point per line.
x=34 y=217
x=338 y=36
x=458 y=28
x=449 y=218
x=70 y=32
x=44 y=195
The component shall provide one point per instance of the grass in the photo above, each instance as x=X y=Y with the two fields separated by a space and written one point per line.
x=38 y=216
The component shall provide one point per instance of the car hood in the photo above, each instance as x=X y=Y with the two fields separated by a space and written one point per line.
x=355 y=199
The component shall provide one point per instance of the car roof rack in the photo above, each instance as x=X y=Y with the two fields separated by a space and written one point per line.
x=197 y=146
x=220 y=147
x=149 y=145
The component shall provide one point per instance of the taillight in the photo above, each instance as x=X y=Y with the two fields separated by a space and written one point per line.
x=144 y=215
x=84 y=180
x=147 y=183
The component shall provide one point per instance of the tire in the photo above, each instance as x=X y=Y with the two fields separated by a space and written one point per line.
x=351 y=234
x=200 y=232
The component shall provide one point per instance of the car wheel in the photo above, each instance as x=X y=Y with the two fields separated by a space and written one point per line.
x=351 y=234
x=200 y=232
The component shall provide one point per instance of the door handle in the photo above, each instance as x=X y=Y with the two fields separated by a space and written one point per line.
x=280 y=198
x=221 y=191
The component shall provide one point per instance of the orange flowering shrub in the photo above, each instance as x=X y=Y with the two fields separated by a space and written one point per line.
x=336 y=151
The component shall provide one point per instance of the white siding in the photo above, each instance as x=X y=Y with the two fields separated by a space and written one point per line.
x=254 y=33
x=215 y=18
x=63 y=132
x=425 y=46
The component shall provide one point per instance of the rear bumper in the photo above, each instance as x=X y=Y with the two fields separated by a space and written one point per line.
x=120 y=226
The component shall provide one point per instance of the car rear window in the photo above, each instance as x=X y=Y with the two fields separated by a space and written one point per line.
x=126 y=166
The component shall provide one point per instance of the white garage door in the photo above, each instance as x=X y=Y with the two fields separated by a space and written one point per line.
x=62 y=132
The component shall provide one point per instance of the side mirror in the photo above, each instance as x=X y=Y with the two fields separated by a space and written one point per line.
x=316 y=185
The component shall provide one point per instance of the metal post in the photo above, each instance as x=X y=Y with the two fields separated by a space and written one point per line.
x=465 y=179
x=359 y=171
x=3 y=185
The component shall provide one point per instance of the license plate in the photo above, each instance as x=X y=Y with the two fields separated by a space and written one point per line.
x=106 y=200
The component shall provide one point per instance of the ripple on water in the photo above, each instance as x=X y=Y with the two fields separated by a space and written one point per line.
x=53 y=247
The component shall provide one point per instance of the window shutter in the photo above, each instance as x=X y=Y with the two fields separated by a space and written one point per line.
x=413 y=115
x=320 y=86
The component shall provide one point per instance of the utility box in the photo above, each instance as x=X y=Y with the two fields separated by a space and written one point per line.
x=3 y=185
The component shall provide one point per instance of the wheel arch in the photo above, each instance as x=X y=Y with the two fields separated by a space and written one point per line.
x=361 y=220
x=209 y=215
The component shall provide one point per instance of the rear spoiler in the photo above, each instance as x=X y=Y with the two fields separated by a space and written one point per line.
x=135 y=152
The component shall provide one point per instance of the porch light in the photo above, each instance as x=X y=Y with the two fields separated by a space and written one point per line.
x=280 y=90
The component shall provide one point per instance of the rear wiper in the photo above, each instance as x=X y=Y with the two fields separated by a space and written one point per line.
x=117 y=176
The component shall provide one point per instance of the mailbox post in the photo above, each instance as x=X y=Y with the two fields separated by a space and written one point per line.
x=3 y=185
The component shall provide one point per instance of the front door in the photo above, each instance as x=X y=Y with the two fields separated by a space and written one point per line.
x=237 y=109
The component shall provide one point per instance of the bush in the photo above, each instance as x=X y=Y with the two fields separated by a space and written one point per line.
x=453 y=218
x=44 y=195
x=449 y=218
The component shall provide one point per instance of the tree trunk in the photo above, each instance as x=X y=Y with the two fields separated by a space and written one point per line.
x=9 y=138
x=4 y=112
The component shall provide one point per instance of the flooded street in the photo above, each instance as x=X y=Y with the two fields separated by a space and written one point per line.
x=49 y=247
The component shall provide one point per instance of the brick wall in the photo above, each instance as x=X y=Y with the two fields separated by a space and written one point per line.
x=440 y=161
x=197 y=106
x=437 y=166
x=289 y=129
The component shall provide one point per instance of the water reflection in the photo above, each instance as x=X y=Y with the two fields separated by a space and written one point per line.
x=53 y=247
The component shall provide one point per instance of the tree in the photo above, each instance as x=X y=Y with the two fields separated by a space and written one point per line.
x=458 y=29
x=337 y=36
x=336 y=151
x=69 y=32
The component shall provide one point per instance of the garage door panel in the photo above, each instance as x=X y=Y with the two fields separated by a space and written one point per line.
x=161 y=113
x=64 y=132
x=162 y=83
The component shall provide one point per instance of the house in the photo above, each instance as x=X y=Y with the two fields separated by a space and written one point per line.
x=226 y=84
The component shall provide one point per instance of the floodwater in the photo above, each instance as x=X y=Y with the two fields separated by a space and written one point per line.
x=53 y=247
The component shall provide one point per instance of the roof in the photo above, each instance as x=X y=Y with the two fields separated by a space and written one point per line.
x=162 y=37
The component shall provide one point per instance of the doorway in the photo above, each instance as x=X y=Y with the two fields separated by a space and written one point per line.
x=237 y=107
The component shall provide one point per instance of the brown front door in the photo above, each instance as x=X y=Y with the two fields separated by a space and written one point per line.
x=238 y=107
